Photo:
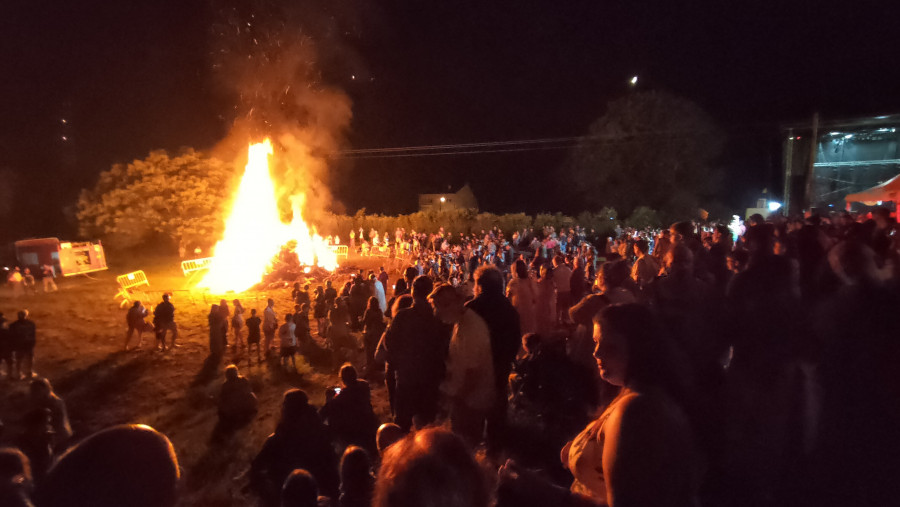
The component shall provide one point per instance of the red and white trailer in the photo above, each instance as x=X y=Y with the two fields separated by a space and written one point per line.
x=68 y=258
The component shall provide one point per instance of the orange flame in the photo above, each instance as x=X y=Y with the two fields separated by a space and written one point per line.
x=254 y=232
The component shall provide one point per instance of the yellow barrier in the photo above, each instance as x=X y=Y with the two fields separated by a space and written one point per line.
x=381 y=251
x=129 y=281
x=340 y=251
x=192 y=265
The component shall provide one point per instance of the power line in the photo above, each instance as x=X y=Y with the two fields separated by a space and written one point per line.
x=521 y=145
x=469 y=152
x=486 y=147
x=480 y=151
x=460 y=145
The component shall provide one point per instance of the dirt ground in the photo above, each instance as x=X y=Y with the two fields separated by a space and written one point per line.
x=80 y=338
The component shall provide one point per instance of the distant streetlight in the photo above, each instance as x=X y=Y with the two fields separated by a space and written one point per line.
x=633 y=81
x=443 y=200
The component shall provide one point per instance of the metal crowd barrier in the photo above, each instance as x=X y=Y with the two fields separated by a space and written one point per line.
x=380 y=251
x=188 y=267
x=153 y=297
x=128 y=282
x=340 y=251
x=210 y=298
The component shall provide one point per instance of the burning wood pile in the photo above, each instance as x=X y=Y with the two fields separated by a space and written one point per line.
x=255 y=233
x=287 y=268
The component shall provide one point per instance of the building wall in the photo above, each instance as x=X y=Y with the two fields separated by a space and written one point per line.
x=464 y=198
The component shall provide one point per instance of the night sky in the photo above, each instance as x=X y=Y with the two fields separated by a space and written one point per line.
x=130 y=77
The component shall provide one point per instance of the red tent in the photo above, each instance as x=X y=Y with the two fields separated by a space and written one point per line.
x=887 y=191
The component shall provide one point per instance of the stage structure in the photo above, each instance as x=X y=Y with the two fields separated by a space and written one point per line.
x=848 y=156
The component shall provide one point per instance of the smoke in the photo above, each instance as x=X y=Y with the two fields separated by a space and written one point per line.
x=279 y=67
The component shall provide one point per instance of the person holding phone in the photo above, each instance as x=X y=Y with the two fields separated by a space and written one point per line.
x=348 y=411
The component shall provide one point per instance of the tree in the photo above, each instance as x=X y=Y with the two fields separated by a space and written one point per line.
x=650 y=149
x=643 y=217
x=181 y=199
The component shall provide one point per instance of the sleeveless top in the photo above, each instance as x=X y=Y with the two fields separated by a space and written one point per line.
x=586 y=454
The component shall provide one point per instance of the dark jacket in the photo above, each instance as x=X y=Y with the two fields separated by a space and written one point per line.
x=22 y=332
x=301 y=443
x=417 y=343
x=349 y=415
x=506 y=335
x=164 y=313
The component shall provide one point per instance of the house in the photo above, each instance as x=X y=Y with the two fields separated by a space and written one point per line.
x=463 y=198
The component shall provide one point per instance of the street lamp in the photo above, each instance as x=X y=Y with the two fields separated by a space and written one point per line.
x=443 y=200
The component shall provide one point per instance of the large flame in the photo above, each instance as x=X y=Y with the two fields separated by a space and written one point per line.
x=254 y=232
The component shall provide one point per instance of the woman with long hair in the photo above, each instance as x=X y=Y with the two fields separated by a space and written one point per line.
x=237 y=325
x=300 y=440
x=390 y=374
x=545 y=296
x=640 y=450
x=342 y=342
x=321 y=310
x=373 y=321
x=643 y=436
x=521 y=293
x=217 y=327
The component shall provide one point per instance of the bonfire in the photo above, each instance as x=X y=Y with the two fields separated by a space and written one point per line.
x=256 y=237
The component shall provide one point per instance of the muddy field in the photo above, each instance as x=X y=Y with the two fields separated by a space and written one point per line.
x=80 y=339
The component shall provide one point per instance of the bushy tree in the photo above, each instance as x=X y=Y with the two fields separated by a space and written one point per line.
x=650 y=149
x=643 y=217
x=181 y=199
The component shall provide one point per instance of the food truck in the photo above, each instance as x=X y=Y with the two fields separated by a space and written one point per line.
x=67 y=257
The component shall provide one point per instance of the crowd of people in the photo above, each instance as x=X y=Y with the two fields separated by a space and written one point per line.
x=677 y=367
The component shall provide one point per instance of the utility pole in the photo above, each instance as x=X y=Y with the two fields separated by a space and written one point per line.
x=813 y=148
x=789 y=173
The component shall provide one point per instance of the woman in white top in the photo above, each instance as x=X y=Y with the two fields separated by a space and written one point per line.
x=545 y=301
x=237 y=325
x=640 y=451
x=521 y=293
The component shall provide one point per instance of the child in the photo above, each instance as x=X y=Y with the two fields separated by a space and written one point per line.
x=253 y=335
x=523 y=381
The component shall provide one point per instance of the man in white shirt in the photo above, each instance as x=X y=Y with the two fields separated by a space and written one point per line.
x=379 y=292
x=287 y=341
x=469 y=384
x=270 y=324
